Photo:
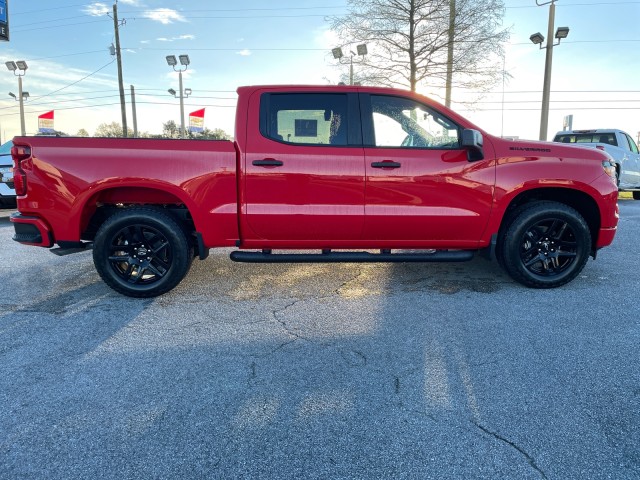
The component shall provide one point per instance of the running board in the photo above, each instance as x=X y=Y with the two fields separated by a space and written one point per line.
x=327 y=256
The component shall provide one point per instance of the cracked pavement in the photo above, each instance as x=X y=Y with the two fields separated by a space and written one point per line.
x=361 y=371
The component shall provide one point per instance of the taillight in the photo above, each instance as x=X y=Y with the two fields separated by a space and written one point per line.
x=20 y=182
x=20 y=153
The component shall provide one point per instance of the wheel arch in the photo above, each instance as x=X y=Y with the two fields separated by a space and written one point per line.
x=580 y=201
x=101 y=204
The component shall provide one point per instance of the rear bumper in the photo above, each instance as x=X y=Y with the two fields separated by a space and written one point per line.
x=31 y=230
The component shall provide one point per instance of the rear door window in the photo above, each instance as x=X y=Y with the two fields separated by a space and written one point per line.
x=306 y=118
x=591 y=137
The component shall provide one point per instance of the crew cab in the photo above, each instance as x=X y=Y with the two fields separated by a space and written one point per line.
x=619 y=145
x=317 y=174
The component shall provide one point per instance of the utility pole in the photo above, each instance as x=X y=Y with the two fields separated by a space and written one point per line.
x=123 y=108
x=133 y=109
x=452 y=36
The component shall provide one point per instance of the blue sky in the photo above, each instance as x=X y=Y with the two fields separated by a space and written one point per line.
x=65 y=43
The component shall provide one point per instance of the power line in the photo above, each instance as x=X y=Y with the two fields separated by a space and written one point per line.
x=76 y=82
x=65 y=55
x=49 y=9
x=83 y=107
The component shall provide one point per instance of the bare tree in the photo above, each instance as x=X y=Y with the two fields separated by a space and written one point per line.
x=409 y=41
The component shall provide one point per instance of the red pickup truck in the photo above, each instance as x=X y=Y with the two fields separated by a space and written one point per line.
x=327 y=174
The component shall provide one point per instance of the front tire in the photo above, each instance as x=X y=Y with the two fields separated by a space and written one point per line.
x=142 y=252
x=546 y=245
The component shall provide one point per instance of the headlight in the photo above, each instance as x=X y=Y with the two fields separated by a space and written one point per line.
x=609 y=169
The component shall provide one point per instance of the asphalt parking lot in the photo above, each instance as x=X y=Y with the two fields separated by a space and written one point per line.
x=321 y=371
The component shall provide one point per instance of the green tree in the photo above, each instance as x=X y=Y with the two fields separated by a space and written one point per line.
x=111 y=130
x=170 y=130
x=82 y=133
x=215 y=134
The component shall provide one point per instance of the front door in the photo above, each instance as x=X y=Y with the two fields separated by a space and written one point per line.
x=421 y=187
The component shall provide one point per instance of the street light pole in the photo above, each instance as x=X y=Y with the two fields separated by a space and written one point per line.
x=546 y=88
x=182 y=132
x=19 y=66
x=338 y=55
x=185 y=62
x=23 y=129
x=537 y=39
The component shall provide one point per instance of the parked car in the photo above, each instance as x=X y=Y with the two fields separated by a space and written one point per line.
x=619 y=145
x=7 y=191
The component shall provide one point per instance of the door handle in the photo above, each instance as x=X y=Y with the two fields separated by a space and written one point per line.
x=268 y=162
x=386 y=164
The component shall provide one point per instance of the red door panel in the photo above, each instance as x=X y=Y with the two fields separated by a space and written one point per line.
x=303 y=182
x=432 y=196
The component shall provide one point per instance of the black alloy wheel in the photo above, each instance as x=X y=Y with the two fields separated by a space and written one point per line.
x=546 y=245
x=142 y=252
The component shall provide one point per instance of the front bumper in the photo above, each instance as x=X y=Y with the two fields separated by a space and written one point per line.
x=31 y=230
x=605 y=237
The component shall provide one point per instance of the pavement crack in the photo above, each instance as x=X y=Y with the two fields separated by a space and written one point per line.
x=278 y=315
x=530 y=460
x=348 y=281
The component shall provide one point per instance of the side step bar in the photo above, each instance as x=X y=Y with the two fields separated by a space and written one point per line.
x=335 y=257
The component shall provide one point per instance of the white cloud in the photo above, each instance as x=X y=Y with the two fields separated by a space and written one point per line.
x=173 y=77
x=135 y=3
x=173 y=39
x=326 y=38
x=244 y=53
x=96 y=9
x=164 y=15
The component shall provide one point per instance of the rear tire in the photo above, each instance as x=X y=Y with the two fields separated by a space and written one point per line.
x=142 y=252
x=546 y=245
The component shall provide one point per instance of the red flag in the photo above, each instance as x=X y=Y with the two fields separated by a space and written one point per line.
x=45 y=123
x=196 y=121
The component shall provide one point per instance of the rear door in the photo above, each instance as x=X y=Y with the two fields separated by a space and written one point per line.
x=421 y=187
x=304 y=169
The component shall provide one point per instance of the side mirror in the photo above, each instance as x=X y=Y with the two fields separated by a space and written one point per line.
x=473 y=142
